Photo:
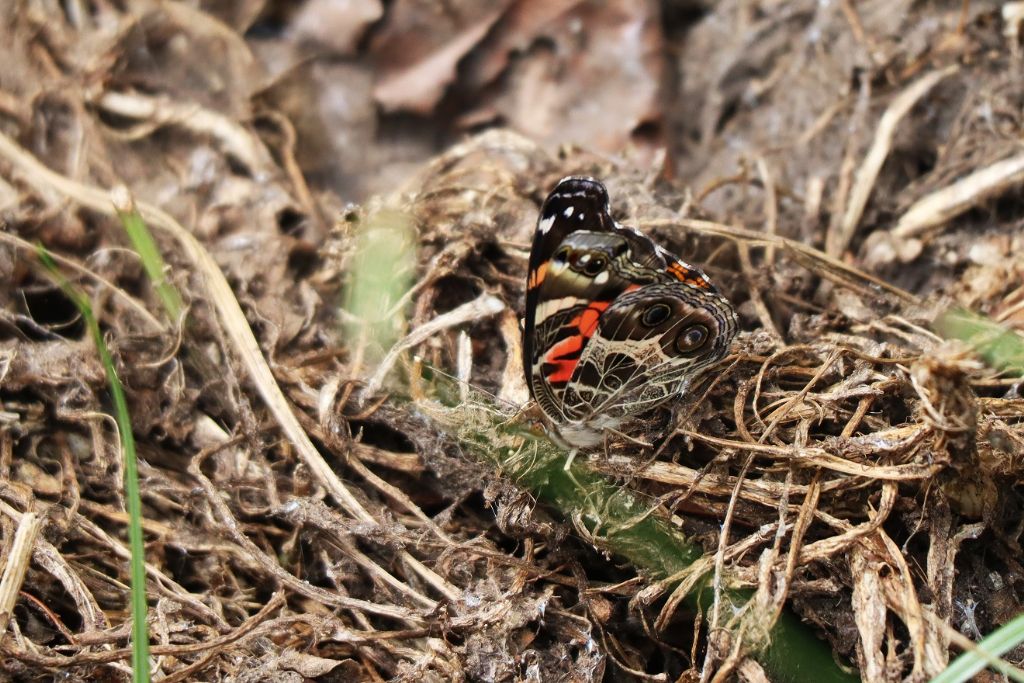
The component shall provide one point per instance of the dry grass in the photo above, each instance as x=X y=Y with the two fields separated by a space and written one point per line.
x=310 y=513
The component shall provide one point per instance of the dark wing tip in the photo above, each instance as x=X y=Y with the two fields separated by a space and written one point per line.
x=582 y=191
x=579 y=184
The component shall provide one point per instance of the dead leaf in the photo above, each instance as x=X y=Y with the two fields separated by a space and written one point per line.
x=575 y=72
x=308 y=665
x=418 y=51
x=336 y=25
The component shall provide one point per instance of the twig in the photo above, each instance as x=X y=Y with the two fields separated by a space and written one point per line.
x=814 y=456
x=962 y=195
x=162 y=111
x=483 y=306
x=841 y=196
x=771 y=207
x=711 y=661
x=828 y=266
x=16 y=566
x=763 y=314
x=867 y=174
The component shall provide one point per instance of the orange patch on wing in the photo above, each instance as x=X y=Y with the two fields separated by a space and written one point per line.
x=683 y=273
x=563 y=371
x=586 y=321
x=563 y=366
x=537 y=276
x=568 y=345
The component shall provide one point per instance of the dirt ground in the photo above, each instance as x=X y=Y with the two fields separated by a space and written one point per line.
x=844 y=171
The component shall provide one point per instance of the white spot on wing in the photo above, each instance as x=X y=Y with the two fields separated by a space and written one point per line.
x=568 y=212
x=548 y=308
x=601 y=278
x=545 y=225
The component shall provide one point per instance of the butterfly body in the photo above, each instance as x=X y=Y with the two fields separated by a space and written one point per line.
x=615 y=325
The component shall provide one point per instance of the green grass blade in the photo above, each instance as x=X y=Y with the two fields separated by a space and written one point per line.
x=792 y=654
x=139 y=607
x=152 y=261
x=987 y=654
x=381 y=270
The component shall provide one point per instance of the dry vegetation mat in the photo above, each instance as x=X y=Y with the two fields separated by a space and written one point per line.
x=338 y=478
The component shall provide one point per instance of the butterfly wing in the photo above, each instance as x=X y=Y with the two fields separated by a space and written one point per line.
x=645 y=347
x=553 y=299
x=591 y=278
x=575 y=203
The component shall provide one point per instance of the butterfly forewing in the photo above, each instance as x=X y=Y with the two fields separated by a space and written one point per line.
x=577 y=204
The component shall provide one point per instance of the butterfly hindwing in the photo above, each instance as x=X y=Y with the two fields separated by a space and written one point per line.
x=647 y=343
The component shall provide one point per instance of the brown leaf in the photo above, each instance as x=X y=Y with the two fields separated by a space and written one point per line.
x=336 y=25
x=308 y=665
x=418 y=61
x=578 y=72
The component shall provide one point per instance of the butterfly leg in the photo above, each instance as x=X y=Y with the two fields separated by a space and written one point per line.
x=569 y=458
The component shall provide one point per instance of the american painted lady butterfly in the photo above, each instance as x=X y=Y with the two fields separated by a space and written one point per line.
x=615 y=325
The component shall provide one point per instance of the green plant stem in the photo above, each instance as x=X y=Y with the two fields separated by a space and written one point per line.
x=616 y=518
x=137 y=568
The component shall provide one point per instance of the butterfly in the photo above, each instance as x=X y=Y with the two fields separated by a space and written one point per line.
x=615 y=325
